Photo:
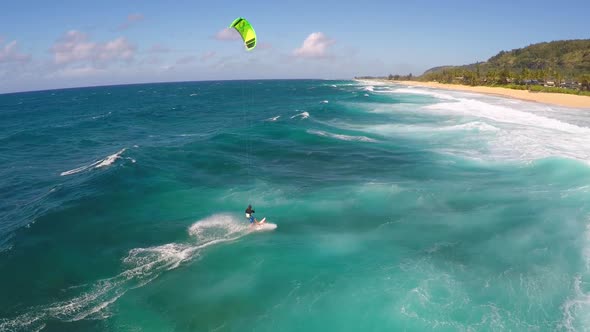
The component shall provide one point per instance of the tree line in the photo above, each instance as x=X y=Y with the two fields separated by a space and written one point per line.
x=494 y=77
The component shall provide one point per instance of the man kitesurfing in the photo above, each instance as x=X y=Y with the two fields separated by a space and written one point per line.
x=250 y=216
x=246 y=31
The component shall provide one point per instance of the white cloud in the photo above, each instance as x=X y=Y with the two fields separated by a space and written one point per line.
x=208 y=55
x=186 y=60
x=158 y=48
x=134 y=17
x=263 y=46
x=131 y=20
x=316 y=45
x=119 y=48
x=10 y=53
x=228 y=34
x=77 y=72
x=76 y=47
x=151 y=60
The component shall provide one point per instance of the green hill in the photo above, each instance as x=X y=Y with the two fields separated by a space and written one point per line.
x=564 y=60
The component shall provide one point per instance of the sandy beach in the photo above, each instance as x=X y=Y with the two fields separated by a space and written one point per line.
x=560 y=99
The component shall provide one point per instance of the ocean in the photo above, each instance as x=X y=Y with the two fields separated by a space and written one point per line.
x=398 y=209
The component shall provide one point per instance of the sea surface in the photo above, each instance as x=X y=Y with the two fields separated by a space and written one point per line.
x=398 y=209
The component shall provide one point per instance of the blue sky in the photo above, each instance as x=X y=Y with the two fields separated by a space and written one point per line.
x=46 y=45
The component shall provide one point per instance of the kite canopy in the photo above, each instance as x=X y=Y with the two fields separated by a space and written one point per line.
x=246 y=31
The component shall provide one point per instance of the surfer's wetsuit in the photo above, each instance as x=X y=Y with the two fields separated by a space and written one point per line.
x=250 y=214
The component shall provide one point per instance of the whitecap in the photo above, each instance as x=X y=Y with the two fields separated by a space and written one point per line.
x=341 y=137
x=101 y=116
x=303 y=115
x=97 y=164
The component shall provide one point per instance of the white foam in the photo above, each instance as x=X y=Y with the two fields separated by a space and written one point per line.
x=475 y=125
x=76 y=170
x=341 y=137
x=515 y=130
x=101 y=116
x=22 y=323
x=97 y=164
x=265 y=227
x=324 y=102
x=110 y=159
x=575 y=309
x=505 y=114
x=273 y=118
x=143 y=265
x=523 y=135
x=303 y=115
x=421 y=92
x=6 y=248
x=226 y=224
x=193 y=94
x=424 y=131
x=190 y=135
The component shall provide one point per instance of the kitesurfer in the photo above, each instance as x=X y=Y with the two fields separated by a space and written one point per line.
x=250 y=214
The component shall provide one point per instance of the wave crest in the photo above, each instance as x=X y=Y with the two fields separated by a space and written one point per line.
x=342 y=137
x=97 y=164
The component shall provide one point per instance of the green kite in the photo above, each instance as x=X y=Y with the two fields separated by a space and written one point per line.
x=246 y=31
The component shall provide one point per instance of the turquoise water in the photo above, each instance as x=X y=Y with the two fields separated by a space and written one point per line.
x=397 y=208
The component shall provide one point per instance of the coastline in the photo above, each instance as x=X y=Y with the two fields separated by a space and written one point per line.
x=559 y=99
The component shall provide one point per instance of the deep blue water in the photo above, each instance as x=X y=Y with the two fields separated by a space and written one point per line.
x=398 y=208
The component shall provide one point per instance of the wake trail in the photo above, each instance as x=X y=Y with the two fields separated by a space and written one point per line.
x=143 y=266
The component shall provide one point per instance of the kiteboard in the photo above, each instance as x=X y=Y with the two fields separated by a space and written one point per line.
x=262 y=226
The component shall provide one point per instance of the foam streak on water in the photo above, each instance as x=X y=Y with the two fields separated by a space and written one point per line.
x=143 y=265
x=97 y=164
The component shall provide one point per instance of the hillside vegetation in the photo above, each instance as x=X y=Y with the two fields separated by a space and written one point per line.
x=564 y=63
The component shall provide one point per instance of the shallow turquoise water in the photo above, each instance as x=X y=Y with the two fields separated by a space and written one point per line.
x=397 y=209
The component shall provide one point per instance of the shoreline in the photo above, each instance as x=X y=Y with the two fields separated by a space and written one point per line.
x=559 y=99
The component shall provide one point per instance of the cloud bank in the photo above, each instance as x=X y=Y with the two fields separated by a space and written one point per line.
x=131 y=20
x=316 y=45
x=227 y=34
x=10 y=54
x=76 y=47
